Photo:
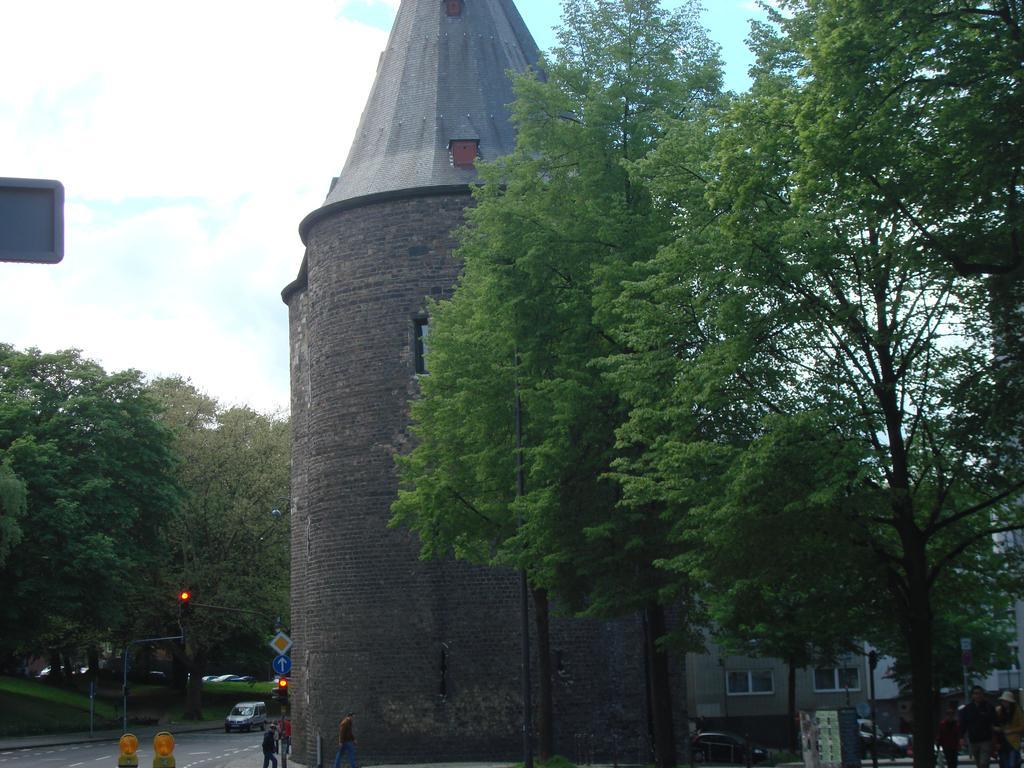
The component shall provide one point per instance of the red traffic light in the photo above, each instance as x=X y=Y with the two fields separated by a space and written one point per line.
x=184 y=596
x=282 y=682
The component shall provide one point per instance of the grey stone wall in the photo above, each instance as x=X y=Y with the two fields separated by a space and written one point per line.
x=377 y=630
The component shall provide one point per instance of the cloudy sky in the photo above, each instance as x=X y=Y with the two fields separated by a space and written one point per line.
x=192 y=138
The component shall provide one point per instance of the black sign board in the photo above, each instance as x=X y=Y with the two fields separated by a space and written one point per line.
x=31 y=220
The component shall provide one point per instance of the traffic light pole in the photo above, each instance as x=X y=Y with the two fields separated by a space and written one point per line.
x=124 y=672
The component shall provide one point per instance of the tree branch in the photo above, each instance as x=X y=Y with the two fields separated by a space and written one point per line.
x=957 y=517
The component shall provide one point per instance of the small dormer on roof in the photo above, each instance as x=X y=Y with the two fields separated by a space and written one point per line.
x=440 y=99
x=464 y=152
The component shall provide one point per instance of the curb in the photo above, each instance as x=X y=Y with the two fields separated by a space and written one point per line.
x=64 y=739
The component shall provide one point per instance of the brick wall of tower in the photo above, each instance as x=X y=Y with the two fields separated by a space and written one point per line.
x=373 y=625
x=298 y=306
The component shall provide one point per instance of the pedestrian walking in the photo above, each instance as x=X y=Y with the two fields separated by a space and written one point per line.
x=1010 y=724
x=948 y=738
x=286 y=736
x=346 y=742
x=269 y=748
x=977 y=721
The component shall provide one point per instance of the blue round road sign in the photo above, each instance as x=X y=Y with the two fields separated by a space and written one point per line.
x=283 y=665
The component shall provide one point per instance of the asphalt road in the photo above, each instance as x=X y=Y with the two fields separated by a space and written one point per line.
x=191 y=750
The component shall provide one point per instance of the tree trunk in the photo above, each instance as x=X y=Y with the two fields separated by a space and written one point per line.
x=546 y=713
x=919 y=640
x=194 y=690
x=660 y=691
x=793 y=726
x=56 y=666
x=908 y=581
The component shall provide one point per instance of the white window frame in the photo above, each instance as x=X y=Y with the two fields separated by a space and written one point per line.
x=750 y=682
x=835 y=679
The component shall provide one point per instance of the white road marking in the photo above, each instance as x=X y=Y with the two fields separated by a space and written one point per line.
x=75 y=765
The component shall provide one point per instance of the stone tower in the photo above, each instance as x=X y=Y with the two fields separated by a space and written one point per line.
x=426 y=653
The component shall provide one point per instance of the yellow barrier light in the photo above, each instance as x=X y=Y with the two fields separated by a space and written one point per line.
x=128 y=745
x=163 y=745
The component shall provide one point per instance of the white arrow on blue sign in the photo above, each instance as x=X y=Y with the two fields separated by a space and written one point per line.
x=283 y=665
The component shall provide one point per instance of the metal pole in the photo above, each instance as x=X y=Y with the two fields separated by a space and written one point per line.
x=872 y=666
x=524 y=590
x=124 y=672
x=124 y=690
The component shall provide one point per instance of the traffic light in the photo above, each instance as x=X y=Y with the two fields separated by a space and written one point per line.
x=281 y=691
x=184 y=604
x=31 y=220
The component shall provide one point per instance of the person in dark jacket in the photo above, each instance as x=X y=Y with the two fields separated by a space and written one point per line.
x=977 y=720
x=269 y=748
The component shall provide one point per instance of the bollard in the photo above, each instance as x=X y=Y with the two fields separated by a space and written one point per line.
x=163 y=746
x=129 y=746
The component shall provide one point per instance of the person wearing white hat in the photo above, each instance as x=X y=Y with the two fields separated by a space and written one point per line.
x=1010 y=725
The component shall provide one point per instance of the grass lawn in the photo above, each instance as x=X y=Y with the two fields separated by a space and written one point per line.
x=29 y=707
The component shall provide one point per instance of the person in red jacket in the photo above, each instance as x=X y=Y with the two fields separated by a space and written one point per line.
x=948 y=737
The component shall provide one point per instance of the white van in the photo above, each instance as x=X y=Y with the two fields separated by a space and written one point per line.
x=245 y=716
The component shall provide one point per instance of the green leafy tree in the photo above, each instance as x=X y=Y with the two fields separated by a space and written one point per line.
x=809 y=294
x=13 y=505
x=556 y=229
x=223 y=543
x=975 y=600
x=786 y=501
x=916 y=104
x=97 y=468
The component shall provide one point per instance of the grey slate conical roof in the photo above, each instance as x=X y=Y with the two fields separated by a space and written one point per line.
x=441 y=79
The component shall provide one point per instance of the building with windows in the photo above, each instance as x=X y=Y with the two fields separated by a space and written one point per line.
x=749 y=695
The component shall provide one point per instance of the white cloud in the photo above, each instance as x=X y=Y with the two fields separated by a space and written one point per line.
x=191 y=138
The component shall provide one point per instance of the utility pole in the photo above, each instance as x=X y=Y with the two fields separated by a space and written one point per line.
x=124 y=672
x=872 y=666
x=524 y=589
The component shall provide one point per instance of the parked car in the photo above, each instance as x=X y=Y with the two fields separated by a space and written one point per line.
x=883 y=745
x=903 y=741
x=245 y=716
x=222 y=678
x=241 y=679
x=723 y=747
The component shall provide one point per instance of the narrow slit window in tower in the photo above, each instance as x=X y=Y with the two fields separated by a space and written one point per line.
x=463 y=152
x=453 y=7
x=421 y=327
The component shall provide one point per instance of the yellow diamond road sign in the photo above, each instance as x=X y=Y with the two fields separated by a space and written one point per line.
x=281 y=643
